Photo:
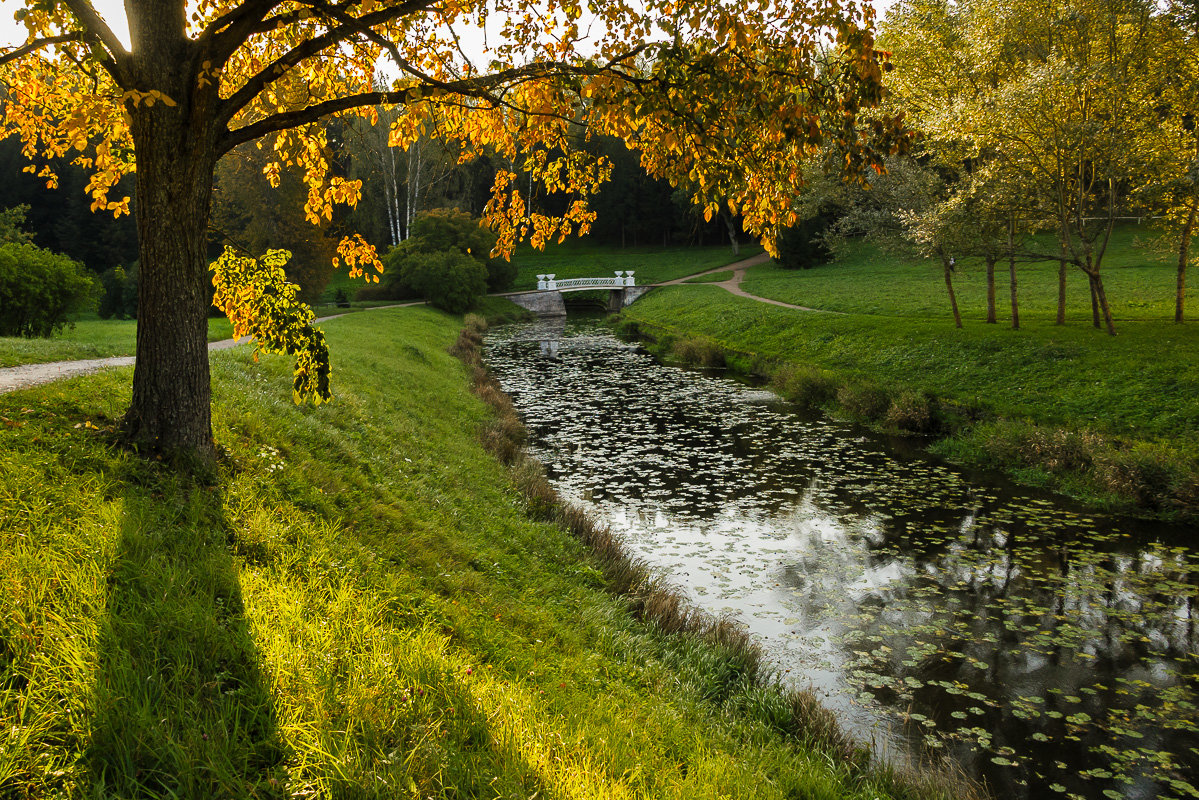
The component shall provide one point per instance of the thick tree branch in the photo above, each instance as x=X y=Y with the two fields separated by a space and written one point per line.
x=482 y=87
x=97 y=28
x=309 y=48
x=221 y=38
x=38 y=44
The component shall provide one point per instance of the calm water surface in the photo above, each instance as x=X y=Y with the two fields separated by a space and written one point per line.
x=1053 y=653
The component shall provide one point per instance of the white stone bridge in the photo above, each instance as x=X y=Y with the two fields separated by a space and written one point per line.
x=546 y=301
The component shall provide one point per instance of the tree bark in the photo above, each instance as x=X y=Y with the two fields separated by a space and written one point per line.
x=1184 y=250
x=1094 y=304
x=1061 y=292
x=175 y=144
x=731 y=227
x=953 y=298
x=1099 y=297
x=991 y=317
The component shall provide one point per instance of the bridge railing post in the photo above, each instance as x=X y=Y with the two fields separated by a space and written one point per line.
x=628 y=281
x=541 y=283
x=550 y=283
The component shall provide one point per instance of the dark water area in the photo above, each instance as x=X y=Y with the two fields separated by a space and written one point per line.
x=1050 y=652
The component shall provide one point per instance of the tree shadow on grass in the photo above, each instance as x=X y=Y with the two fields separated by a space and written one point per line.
x=182 y=708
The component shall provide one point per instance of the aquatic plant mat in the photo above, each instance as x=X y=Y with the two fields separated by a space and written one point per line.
x=1050 y=649
x=356 y=603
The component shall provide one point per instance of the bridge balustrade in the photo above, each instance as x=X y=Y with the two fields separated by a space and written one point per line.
x=548 y=283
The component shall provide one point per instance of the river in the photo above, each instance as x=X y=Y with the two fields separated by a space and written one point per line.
x=1051 y=652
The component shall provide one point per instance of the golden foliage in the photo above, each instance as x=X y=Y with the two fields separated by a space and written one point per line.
x=725 y=98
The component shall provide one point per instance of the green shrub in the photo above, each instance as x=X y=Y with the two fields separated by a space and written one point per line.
x=451 y=229
x=118 y=296
x=450 y=280
x=39 y=290
x=802 y=246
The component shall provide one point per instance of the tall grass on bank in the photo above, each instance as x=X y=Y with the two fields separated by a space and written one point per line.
x=355 y=604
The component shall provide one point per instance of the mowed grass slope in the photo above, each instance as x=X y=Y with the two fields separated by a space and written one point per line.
x=355 y=605
x=1144 y=382
x=1138 y=279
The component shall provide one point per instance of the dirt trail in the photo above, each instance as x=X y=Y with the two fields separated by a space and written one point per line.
x=20 y=377
x=733 y=284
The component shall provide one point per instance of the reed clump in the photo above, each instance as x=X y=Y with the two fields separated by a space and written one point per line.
x=699 y=352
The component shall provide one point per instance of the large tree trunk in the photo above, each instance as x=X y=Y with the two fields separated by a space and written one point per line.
x=991 y=318
x=176 y=154
x=1184 y=251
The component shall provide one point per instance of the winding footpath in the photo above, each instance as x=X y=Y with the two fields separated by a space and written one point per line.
x=20 y=377
x=733 y=284
x=25 y=375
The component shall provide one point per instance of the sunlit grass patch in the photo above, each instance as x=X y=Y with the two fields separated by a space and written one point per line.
x=357 y=604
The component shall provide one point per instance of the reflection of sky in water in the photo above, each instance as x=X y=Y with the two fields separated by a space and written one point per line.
x=870 y=576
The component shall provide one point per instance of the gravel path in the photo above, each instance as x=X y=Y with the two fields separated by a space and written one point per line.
x=733 y=284
x=20 y=377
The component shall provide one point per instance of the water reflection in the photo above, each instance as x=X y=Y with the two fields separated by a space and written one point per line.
x=1052 y=652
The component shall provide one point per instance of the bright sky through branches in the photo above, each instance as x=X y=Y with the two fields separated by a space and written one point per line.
x=113 y=12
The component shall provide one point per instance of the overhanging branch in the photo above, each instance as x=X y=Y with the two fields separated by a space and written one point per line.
x=38 y=44
x=97 y=28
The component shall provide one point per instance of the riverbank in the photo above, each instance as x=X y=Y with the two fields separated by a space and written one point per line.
x=1109 y=420
x=356 y=602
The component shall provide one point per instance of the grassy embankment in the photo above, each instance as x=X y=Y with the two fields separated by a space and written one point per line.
x=358 y=603
x=89 y=337
x=1112 y=420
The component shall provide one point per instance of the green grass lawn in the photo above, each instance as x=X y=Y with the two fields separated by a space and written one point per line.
x=1139 y=281
x=1144 y=382
x=356 y=605
x=90 y=337
x=577 y=259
